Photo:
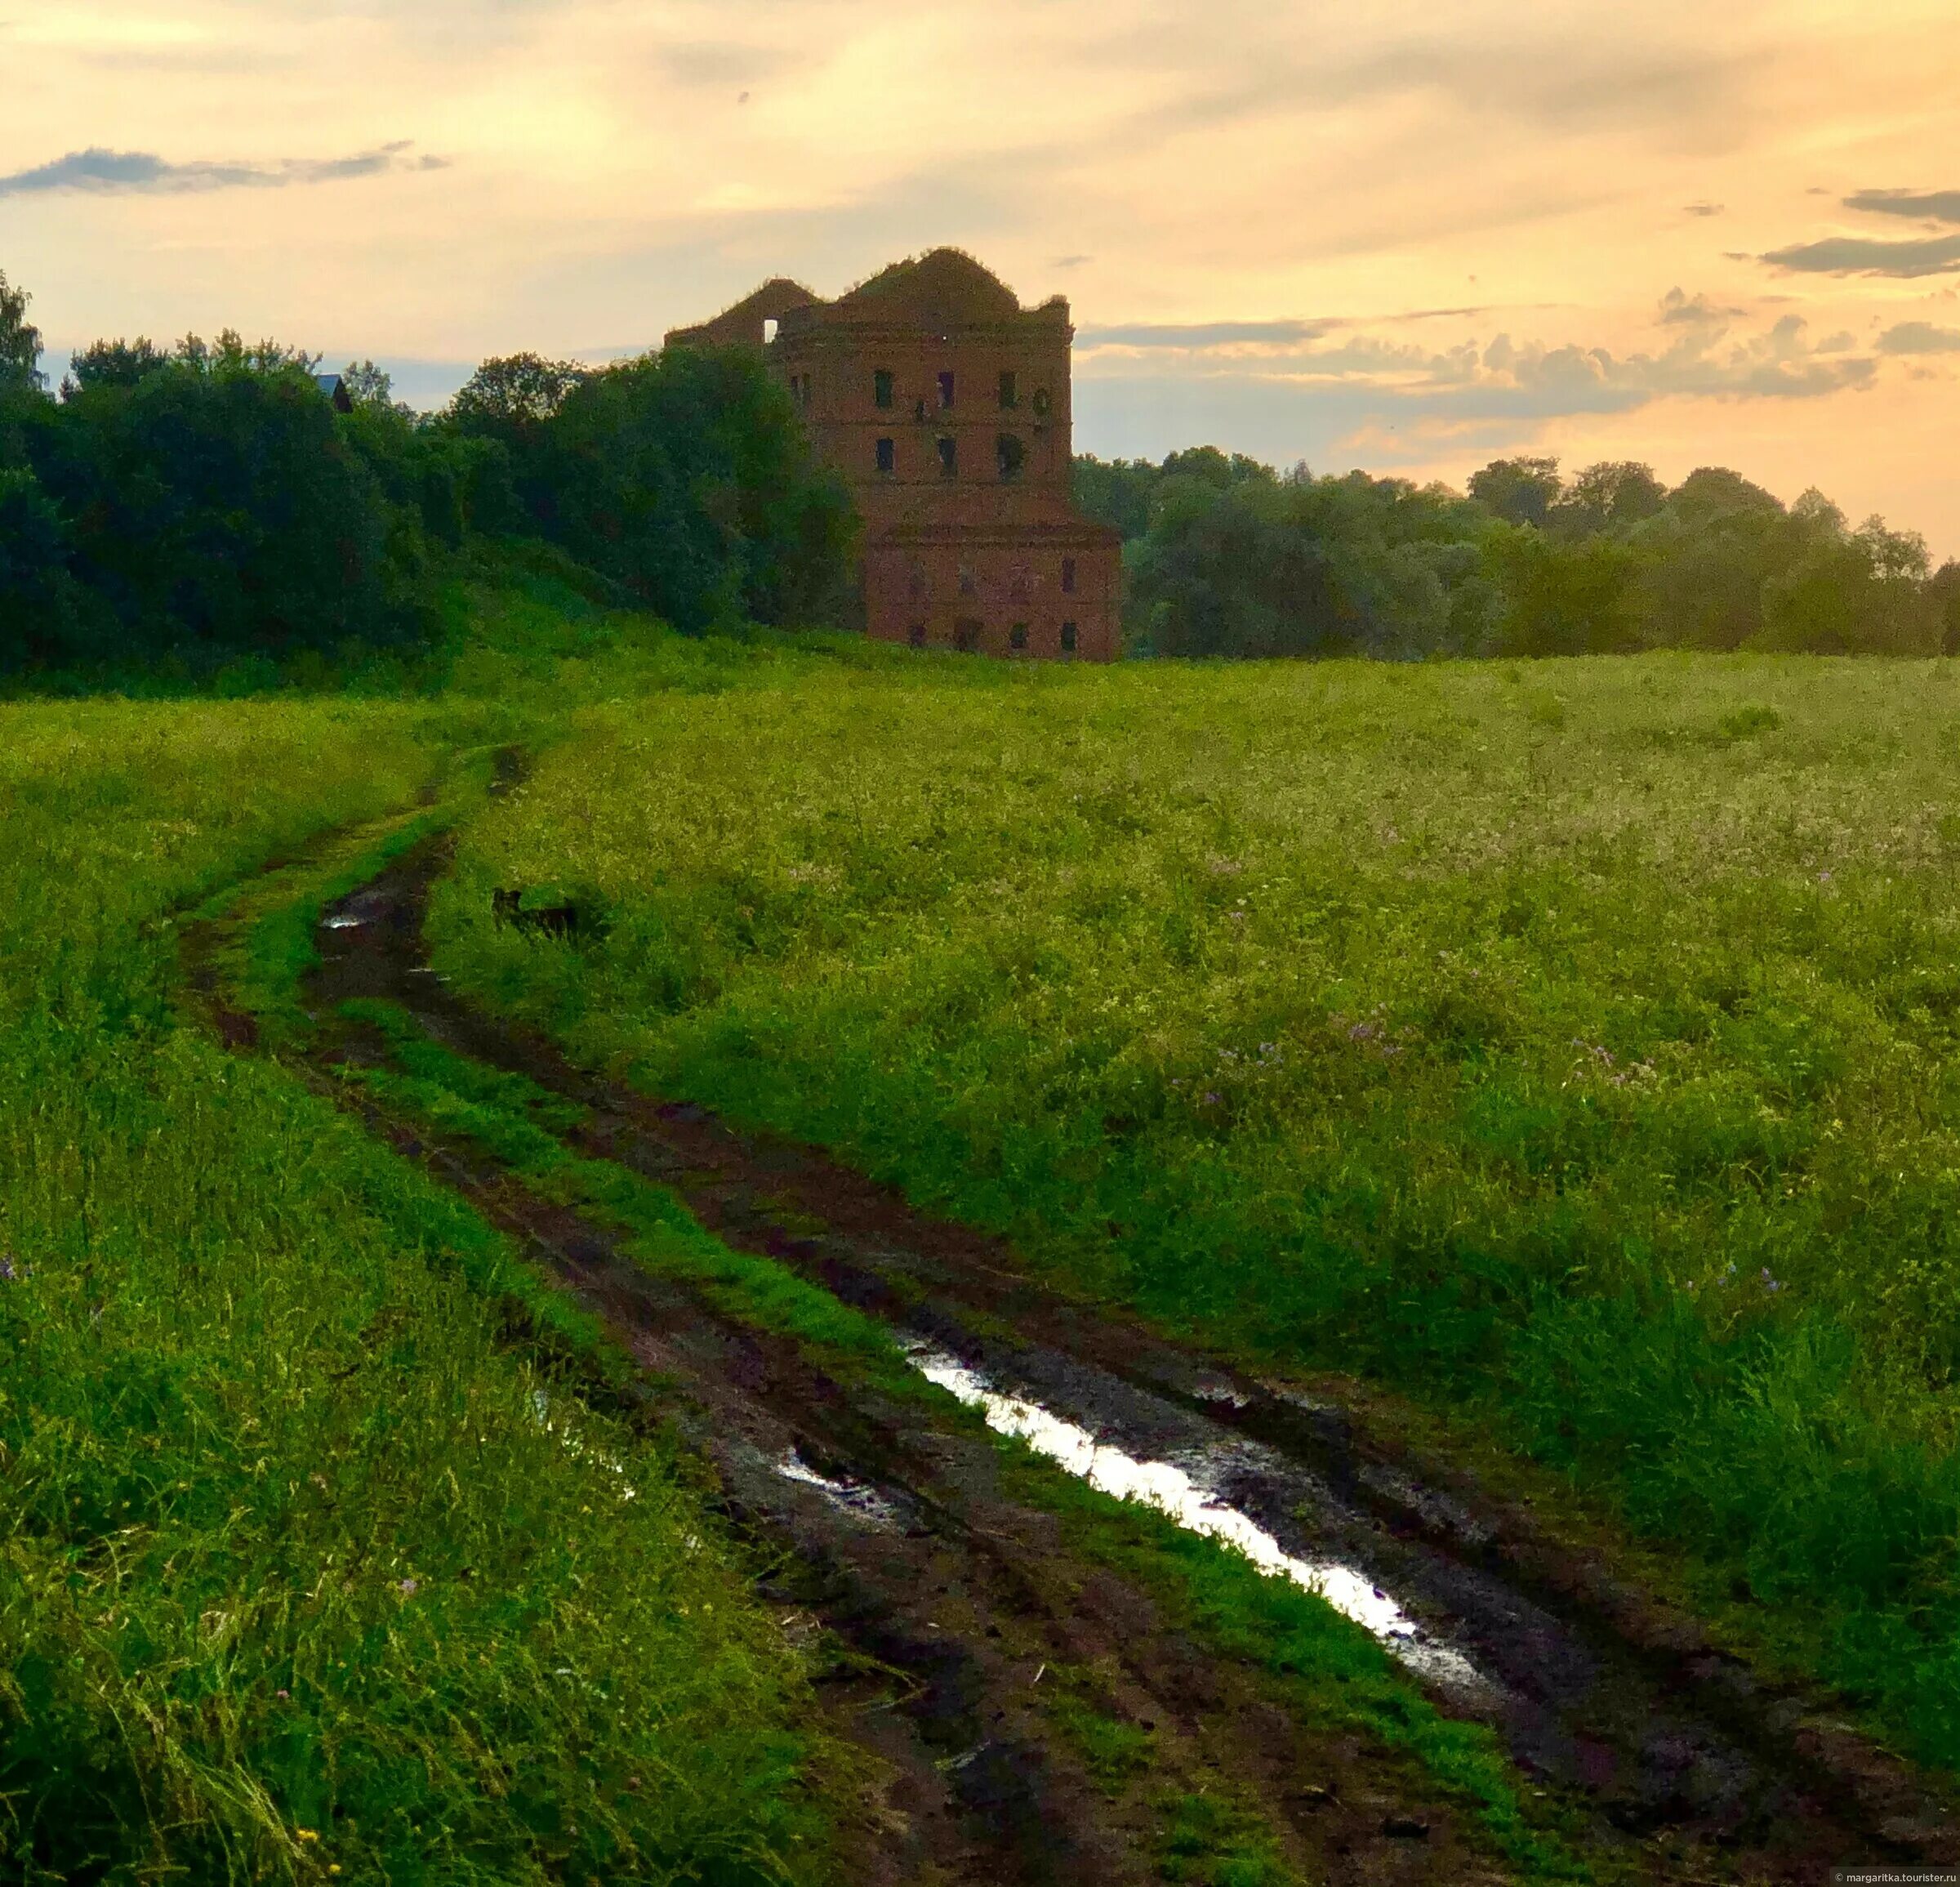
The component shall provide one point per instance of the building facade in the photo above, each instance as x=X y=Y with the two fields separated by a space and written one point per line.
x=945 y=405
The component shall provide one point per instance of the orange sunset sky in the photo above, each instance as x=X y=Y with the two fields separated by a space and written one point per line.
x=1403 y=237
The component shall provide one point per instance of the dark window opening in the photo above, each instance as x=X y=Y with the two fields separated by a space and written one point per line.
x=967 y=584
x=949 y=456
x=1007 y=393
x=1010 y=455
x=915 y=583
x=918 y=410
x=1017 y=636
x=888 y=456
x=1068 y=639
x=945 y=390
x=917 y=636
x=881 y=386
x=1068 y=575
x=966 y=634
x=1041 y=403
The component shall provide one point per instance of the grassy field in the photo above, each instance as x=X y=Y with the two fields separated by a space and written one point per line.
x=308 y=1564
x=1570 y=1045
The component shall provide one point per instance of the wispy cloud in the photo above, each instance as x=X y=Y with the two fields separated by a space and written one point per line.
x=1532 y=380
x=1865 y=256
x=1941 y=206
x=1919 y=337
x=1679 y=310
x=1704 y=209
x=98 y=172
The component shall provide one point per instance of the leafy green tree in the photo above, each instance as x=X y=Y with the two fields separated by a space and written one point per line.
x=1612 y=496
x=1563 y=598
x=20 y=341
x=1521 y=491
x=687 y=475
x=113 y=363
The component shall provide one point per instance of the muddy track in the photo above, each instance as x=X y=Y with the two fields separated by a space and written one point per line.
x=957 y=1599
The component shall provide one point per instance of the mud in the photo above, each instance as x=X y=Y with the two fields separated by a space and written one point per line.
x=955 y=1601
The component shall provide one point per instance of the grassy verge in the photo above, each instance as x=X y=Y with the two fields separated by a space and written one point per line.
x=1584 y=1064
x=311 y=1567
x=1321 y=1666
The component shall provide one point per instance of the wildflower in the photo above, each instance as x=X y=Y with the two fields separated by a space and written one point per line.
x=408 y=1586
x=1211 y=1100
x=283 y=1696
x=1824 y=878
x=1770 y=1283
x=307 y=1834
x=8 y=1275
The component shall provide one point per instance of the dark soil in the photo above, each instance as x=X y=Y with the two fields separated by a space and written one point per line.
x=954 y=1603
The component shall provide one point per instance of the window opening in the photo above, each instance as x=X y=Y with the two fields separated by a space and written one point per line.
x=881 y=385
x=1007 y=392
x=1041 y=403
x=967 y=586
x=949 y=456
x=1068 y=639
x=1010 y=455
x=1017 y=636
x=966 y=634
x=768 y=331
x=888 y=456
x=945 y=390
x=1068 y=575
x=917 y=636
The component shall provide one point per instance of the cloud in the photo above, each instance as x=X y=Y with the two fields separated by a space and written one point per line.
x=1510 y=380
x=98 y=172
x=714 y=62
x=1942 y=206
x=1679 y=310
x=1704 y=209
x=1919 y=337
x=1863 y=256
x=1204 y=334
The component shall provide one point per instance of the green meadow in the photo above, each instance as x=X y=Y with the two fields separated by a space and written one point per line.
x=310 y=1557
x=1566 y=1047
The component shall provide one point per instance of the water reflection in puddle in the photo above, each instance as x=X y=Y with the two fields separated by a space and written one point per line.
x=1173 y=1491
x=853 y=1497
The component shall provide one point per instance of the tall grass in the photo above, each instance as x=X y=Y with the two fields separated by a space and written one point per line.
x=1572 y=1046
x=310 y=1565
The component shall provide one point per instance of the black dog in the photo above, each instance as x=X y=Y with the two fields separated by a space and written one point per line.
x=554 y=921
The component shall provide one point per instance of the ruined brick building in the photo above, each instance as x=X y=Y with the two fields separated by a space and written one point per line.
x=944 y=405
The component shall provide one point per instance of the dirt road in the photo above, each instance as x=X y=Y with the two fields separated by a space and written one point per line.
x=959 y=1600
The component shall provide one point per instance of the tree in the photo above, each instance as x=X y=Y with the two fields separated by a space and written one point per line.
x=688 y=476
x=1521 y=491
x=511 y=398
x=1612 y=496
x=20 y=341
x=113 y=363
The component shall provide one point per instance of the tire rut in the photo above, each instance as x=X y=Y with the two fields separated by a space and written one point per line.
x=896 y=1535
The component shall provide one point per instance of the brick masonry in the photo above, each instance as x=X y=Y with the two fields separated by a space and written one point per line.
x=945 y=405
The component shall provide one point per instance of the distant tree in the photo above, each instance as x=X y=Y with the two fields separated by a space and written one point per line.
x=1611 y=496
x=688 y=476
x=367 y=386
x=1117 y=492
x=1521 y=491
x=20 y=341
x=1563 y=598
x=511 y=398
x=113 y=363
x=1942 y=590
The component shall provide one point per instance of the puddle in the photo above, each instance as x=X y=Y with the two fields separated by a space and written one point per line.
x=1173 y=1491
x=856 y=1499
x=342 y=923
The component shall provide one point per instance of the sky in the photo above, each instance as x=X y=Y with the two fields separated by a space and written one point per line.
x=1405 y=237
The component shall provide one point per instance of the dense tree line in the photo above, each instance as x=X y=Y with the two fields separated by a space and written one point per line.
x=205 y=501
x=1227 y=556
